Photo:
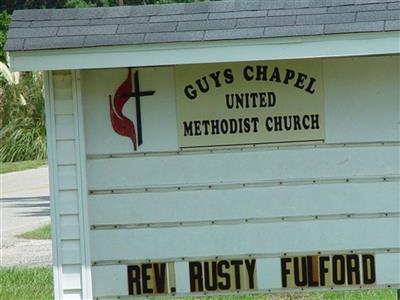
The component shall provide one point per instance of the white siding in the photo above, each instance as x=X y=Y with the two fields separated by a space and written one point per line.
x=66 y=152
x=66 y=190
x=70 y=250
x=68 y=202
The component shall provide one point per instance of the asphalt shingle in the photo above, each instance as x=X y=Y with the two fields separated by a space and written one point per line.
x=196 y=8
x=221 y=6
x=174 y=36
x=274 y=4
x=394 y=5
x=266 y=21
x=392 y=25
x=144 y=10
x=201 y=21
x=207 y=25
x=357 y=8
x=14 y=44
x=378 y=15
x=87 y=30
x=113 y=39
x=20 y=24
x=243 y=33
x=181 y=17
x=119 y=21
x=54 y=42
x=171 y=9
x=117 y=12
x=64 y=14
x=326 y=18
x=90 y=13
x=296 y=4
x=293 y=30
x=32 y=32
x=54 y=23
x=32 y=15
x=354 y=27
x=149 y=27
x=248 y=5
x=238 y=14
x=299 y=11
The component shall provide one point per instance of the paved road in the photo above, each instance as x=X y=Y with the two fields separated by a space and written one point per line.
x=24 y=205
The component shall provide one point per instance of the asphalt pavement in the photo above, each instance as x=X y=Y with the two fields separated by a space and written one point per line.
x=24 y=205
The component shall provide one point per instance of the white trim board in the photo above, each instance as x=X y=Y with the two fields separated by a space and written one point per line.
x=81 y=179
x=337 y=45
x=53 y=170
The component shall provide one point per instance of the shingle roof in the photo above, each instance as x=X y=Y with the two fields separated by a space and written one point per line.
x=201 y=21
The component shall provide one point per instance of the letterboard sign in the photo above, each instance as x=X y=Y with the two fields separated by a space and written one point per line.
x=250 y=103
x=240 y=275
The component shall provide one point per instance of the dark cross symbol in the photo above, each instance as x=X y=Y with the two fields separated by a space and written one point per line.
x=137 y=94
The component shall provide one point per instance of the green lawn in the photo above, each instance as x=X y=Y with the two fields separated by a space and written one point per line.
x=20 y=165
x=26 y=283
x=37 y=283
x=41 y=233
x=387 y=294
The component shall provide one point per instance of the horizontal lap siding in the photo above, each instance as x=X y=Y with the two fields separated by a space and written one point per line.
x=68 y=202
x=242 y=167
x=66 y=152
x=70 y=250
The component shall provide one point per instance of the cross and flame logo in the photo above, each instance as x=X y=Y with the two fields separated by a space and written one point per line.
x=120 y=123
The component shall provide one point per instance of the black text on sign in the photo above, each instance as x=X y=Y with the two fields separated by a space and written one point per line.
x=223 y=275
x=328 y=270
x=151 y=278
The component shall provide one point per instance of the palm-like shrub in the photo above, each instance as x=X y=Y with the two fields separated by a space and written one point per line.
x=22 y=128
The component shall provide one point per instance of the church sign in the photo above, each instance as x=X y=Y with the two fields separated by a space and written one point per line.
x=250 y=103
x=189 y=160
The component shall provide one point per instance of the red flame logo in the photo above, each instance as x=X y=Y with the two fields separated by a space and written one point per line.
x=120 y=123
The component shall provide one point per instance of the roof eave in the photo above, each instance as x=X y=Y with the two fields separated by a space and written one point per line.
x=299 y=47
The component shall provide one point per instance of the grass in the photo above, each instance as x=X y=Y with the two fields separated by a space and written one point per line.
x=41 y=233
x=21 y=165
x=26 y=283
x=37 y=283
x=384 y=294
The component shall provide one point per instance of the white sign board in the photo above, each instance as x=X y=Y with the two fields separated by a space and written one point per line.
x=175 y=214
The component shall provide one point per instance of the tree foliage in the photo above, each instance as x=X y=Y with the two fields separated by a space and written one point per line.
x=4 y=21
x=10 y=5
x=23 y=132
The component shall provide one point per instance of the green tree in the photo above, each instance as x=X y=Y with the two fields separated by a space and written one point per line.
x=23 y=132
x=4 y=22
x=22 y=125
x=10 y=5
